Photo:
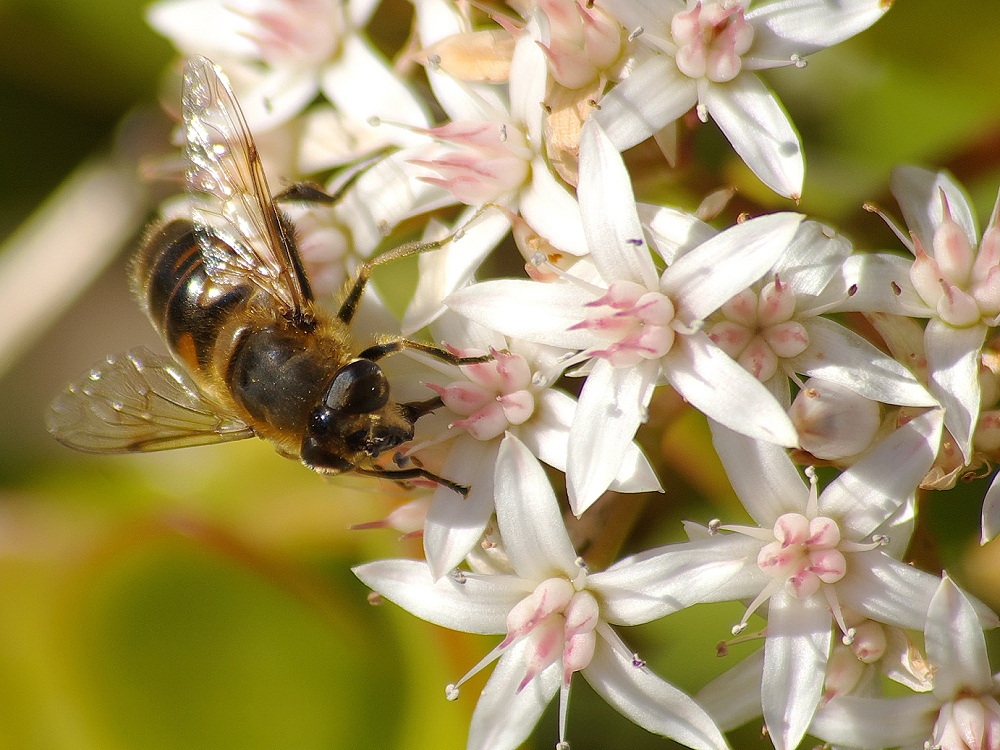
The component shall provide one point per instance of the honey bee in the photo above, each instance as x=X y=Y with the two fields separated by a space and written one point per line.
x=252 y=354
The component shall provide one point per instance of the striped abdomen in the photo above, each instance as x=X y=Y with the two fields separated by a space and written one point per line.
x=189 y=310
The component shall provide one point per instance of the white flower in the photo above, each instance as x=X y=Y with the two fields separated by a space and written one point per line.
x=556 y=617
x=484 y=405
x=705 y=52
x=811 y=556
x=636 y=327
x=961 y=713
x=279 y=54
x=950 y=281
x=774 y=327
x=490 y=152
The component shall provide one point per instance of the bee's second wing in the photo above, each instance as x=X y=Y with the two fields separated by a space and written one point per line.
x=230 y=196
x=138 y=401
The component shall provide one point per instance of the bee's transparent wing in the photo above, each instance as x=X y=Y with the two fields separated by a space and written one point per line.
x=230 y=197
x=139 y=401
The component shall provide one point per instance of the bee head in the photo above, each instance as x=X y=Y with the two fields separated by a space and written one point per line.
x=355 y=421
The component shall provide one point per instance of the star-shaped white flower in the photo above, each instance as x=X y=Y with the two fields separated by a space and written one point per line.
x=705 y=52
x=950 y=280
x=775 y=328
x=961 y=712
x=812 y=555
x=491 y=151
x=556 y=617
x=484 y=404
x=635 y=327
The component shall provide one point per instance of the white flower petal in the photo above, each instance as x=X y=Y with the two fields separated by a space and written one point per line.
x=612 y=406
x=360 y=12
x=546 y=435
x=649 y=14
x=386 y=193
x=717 y=386
x=363 y=85
x=763 y=476
x=660 y=581
x=655 y=94
x=273 y=97
x=756 y=124
x=479 y=604
x=918 y=192
x=801 y=27
x=635 y=474
x=649 y=701
x=953 y=367
x=865 y=495
x=733 y=698
x=711 y=274
x=447 y=269
x=504 y=717
x=528 y=516
x=839 y=355
x=552 y=211
x=611 y=224
x=850 y=721
x=465 y=100
x=528 y=81
x=812 y=260
x=795 y=657
x=892 y=592
x=673 y=232
x=197 y=27
x=880 y=282
x=955 y=644
x=455 y=524
x=529 y=310
x=991 y=512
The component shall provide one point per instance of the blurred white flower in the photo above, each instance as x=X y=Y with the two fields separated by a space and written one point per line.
x=280 y=54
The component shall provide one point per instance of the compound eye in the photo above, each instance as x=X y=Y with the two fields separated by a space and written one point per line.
x=359 y=387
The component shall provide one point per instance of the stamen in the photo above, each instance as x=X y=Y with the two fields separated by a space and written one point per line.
x=903 y=236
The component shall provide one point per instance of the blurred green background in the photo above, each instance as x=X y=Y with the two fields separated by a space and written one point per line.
x=203 y=599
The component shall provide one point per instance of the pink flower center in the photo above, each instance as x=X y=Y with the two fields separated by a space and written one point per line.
x=758 y=330
x=559 y=623
x=584 y=41
x=711 y=37
x=298 y=31
x=497 y=395
x=804 y=554
x=961 y=284
x=635 y=323
x=481 y=162
x=969 y=721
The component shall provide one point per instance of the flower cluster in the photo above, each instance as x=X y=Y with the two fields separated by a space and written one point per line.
x=532 y=104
